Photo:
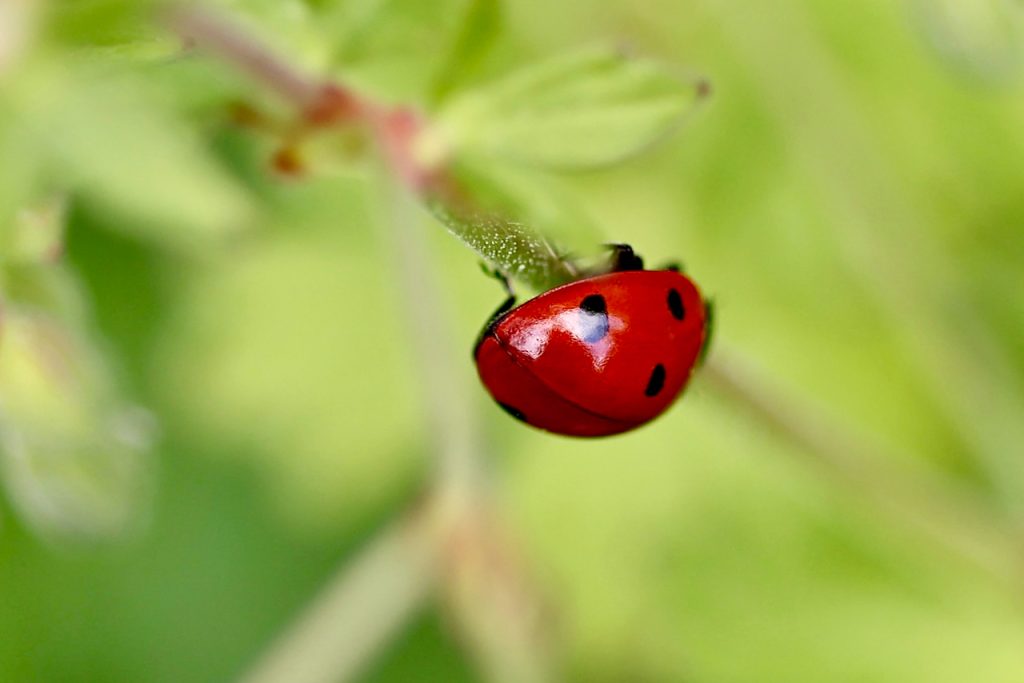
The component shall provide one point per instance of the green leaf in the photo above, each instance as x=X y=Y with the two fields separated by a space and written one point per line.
x=289 y=28
x=37 y=232
x=518 y=222
x=95 y=23
x=45 y=287
x=588 y=109
x=480 y=27
x=197 y=86
x=18 y=177
x=404 y=49
x=108 y=140
x=71 y=456
x=984 y=39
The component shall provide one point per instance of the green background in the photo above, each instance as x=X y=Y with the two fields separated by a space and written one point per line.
x=850 y=195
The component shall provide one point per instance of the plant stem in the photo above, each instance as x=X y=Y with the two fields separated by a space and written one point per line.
x=358 y=611
x=457 y=442
x=454 y=542
x=202 y=28
x=882 y=237
x=483 y=581
x=914 y=496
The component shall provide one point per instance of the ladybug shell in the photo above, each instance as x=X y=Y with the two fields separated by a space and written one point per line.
x=597 y=356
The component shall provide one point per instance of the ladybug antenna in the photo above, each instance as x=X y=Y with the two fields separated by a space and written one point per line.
x=563 y=257
x=709 y=329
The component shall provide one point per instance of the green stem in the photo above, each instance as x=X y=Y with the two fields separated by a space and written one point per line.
x=357 y=613
x=914 y=496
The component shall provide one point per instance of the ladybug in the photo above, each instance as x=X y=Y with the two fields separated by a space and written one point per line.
x=598 y=356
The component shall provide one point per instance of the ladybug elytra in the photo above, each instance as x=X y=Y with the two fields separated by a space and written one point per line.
x=598 y=356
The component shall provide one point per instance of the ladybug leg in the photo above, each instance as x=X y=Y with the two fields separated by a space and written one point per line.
x=709 y=329
x=674 y=266
x=507 y=305
x=624 y=258
x=499 y=276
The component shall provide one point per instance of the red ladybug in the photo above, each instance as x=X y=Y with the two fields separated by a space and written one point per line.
x=598 y=356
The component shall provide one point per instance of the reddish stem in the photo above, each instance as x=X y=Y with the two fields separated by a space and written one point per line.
x=201 y=28
x=320 y=102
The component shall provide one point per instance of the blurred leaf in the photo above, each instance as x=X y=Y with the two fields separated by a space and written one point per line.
x=479 y=30
x=982 y=37
x=196 y=85
x=47 y=288
x=95 y=23
x=587 y=109
x=110 y=141
x=18 y=24
x=18 y=176
x=37 y=233
x=71 y=459
x=289 y=27
x=403 y=49
x=82 y=486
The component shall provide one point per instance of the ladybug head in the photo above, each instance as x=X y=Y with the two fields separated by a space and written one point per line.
x=624 y=258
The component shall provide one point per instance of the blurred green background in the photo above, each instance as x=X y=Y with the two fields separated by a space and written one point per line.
x=850 y=194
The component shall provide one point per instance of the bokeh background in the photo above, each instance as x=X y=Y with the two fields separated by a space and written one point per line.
x=211 y=393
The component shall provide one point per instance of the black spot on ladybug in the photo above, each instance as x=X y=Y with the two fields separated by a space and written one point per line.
x=593 y=325
x=594 y=304
x=675 y=304
x=657 y=381
x=514 y=412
